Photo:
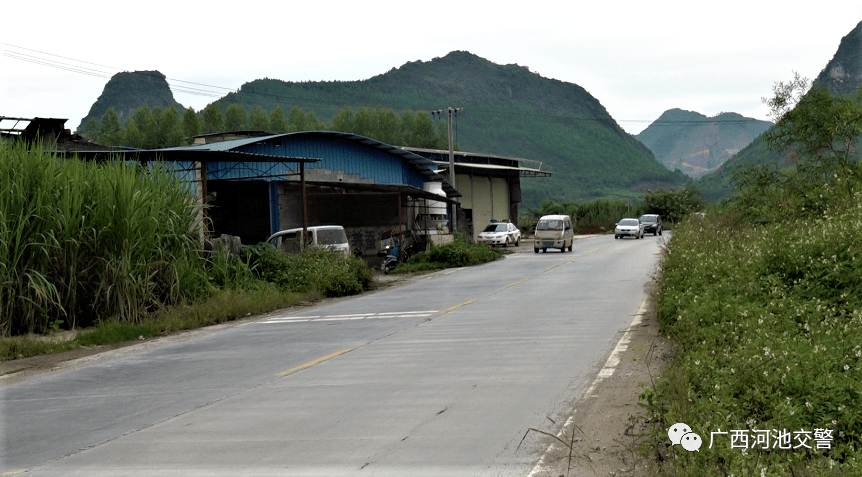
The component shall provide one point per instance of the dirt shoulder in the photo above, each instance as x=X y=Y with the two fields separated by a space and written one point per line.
x=606 y=426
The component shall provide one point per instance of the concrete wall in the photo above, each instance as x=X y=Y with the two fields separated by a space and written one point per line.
x=485 y=197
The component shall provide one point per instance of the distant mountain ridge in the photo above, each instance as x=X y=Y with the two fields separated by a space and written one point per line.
x=128 y=91
x=842 y=76
x=696 y=144
x=507 y=110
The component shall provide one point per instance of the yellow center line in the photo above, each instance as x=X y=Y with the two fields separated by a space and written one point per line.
x=596 y=249
x=319 y=360
x=447 y=310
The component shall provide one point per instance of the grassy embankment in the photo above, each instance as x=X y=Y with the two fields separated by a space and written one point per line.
x=767 y=320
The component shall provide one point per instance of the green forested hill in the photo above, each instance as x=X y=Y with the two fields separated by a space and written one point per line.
x=842 y=76
x=697 y=144
x=128 y=91
x=508 y=110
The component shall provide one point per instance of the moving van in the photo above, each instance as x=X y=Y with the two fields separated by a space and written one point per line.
x=330 y=237
x=554 y=231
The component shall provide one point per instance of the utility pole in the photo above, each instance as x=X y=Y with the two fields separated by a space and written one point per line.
x=451 y=175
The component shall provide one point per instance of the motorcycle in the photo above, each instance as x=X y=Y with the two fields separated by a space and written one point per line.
x=393 y=252
x=390 y=260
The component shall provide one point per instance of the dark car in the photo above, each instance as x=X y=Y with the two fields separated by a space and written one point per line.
x=652 y=223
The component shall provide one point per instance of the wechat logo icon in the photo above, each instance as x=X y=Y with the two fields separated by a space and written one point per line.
x=680 y=433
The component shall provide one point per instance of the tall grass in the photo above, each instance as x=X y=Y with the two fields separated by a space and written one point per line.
x=83 y=241
x=767 y=320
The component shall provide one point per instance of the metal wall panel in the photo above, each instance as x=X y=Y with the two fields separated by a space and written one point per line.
x=340 y=155
x=481 y=204
x=465 y=187
x=500 y=198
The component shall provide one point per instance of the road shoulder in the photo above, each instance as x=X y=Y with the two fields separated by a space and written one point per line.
x=605 y=427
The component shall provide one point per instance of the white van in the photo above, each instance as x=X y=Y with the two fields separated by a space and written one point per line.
x=554 y=231
x=330 y=237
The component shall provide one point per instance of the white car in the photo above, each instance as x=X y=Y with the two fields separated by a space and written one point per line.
x=629 y=228
x=330 y=237
x=500 y=233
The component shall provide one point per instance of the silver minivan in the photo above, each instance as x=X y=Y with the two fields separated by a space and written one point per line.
x=554 y=231
x=330 y=237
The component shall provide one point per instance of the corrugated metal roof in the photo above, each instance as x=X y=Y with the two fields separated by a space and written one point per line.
x=526 y=167
x=424 y=166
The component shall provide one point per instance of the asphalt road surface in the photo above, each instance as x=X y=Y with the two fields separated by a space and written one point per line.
x=443 y=376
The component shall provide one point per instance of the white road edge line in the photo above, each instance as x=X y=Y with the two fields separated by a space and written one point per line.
x=407 y=312
x=363 y=316
x=606 y=372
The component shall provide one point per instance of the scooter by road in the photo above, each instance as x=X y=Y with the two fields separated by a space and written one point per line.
x=395 y=250
x=390 y=260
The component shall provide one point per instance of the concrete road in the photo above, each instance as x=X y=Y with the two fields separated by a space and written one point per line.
x=443 y=376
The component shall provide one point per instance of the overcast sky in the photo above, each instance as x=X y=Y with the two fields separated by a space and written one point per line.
x=638 y=59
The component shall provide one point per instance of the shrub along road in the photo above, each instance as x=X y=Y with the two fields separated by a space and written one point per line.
x=443 y=375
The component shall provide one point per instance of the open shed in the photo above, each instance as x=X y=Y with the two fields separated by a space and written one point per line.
x=366 y=186
x=490 y=185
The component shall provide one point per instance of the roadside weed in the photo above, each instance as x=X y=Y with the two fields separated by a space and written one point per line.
x=768 y=322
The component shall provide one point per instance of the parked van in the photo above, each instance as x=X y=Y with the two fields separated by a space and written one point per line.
x=330 y=237
x=554 y=231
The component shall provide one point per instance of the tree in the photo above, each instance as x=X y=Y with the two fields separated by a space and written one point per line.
x=785 y=96
x=132 y=136
x=191 y=123
x=388 y=127
x=364 y=123
x=299 y=120
x=674 y=205
x=342 y=121
x=91 y=130
x=312 y=123
x=418 y=130
x=257 y=119
x=212 y=119
x=822 y=129
x=147 y=126
x=111 y=131
x=235 y=118
x=277 y=122
x=443 y=136
x=168 y=129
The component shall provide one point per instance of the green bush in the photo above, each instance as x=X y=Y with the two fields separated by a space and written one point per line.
x=458 y=253
x=313 y=269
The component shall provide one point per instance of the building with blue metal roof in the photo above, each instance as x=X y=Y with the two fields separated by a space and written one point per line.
x=254 y=188
x=252 y=183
